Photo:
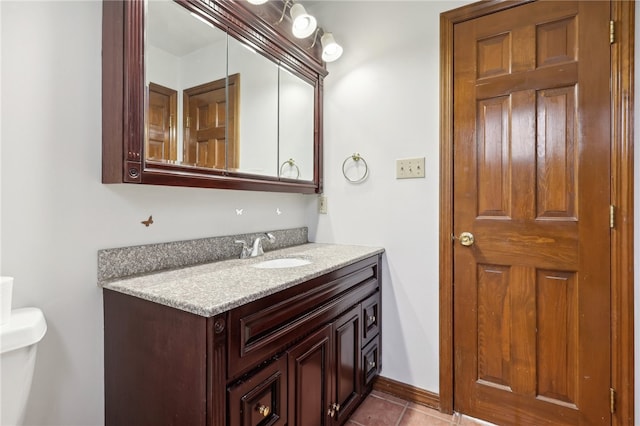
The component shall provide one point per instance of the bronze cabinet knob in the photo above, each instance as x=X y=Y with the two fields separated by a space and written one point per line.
x=263 y=410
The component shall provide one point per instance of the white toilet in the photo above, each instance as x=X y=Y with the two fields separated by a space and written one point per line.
x=19 y=336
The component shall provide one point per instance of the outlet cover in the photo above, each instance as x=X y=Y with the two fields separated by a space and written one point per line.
x=410 y=168
x=322 y=204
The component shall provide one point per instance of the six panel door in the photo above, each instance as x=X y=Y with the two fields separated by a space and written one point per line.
x=531 y=186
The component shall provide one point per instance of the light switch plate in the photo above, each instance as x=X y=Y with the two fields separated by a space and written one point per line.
x=410 y=168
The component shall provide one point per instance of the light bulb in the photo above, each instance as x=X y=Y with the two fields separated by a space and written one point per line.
x=330 y=49
x=303 y=24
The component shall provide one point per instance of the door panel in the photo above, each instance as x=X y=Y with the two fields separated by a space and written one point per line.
x=531 y=183
x=556 y=153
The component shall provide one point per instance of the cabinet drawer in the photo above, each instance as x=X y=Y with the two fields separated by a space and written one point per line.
x=260 y=400
x=371 y=361
x=267 y=326
x=370 y=318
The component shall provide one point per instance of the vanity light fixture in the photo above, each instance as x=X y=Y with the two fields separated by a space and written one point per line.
x=303 y=24
x=331 y=50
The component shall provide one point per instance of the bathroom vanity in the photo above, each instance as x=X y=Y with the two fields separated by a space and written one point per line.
x=230 y=343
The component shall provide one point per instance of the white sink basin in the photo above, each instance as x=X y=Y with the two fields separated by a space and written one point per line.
x=285 y=262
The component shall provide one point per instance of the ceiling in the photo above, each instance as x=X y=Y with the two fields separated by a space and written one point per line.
x=175 y=30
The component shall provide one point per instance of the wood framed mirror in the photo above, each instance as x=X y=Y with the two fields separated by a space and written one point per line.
x=215 y=94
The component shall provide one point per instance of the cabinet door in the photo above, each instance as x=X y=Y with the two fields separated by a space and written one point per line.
x=347 y=378
x=261 y=400
x=309 y=379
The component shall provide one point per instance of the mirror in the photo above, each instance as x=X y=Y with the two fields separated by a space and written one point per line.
x=164 y=119
x=296 y=120
x=214 y=103
x=258 y=115
x=186 y=88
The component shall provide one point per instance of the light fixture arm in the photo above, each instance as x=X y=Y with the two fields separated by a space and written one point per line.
x=284 y=11
x=315 y=37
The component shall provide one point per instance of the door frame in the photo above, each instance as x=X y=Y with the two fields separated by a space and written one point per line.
x=622 y=187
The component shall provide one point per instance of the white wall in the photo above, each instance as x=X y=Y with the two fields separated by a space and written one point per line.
x=56 y=214
x=382 y=100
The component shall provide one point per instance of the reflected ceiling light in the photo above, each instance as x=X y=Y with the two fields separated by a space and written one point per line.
x=257 y=1
x=201 y=19
x=303 y=24
x=330 y=49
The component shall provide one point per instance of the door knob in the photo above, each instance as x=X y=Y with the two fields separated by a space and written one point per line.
x=466 y=239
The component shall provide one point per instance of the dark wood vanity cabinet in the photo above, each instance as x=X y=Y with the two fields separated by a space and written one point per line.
x=303 y=356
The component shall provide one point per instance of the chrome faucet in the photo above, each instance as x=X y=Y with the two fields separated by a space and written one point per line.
x=256 y=247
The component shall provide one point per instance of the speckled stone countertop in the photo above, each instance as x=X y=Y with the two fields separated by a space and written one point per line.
x=213 y=288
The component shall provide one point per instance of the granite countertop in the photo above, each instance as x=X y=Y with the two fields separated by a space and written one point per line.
x=216 y=287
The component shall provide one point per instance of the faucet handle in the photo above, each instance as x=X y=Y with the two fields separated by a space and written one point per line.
x=246 y=250
x=271 y=237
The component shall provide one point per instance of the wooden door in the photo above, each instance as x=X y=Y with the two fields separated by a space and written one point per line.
x=347 y=374
x=309 y=379
x=210 y=124
x=531 y=171
x=161 y=123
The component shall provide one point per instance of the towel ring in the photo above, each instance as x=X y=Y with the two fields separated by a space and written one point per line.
x=356 y=157
x=292 y=164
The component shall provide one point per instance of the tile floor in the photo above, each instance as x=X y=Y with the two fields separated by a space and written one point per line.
x=381 y=409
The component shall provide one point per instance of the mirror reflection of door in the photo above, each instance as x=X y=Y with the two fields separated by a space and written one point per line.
x=210 y=125
x=161 y=142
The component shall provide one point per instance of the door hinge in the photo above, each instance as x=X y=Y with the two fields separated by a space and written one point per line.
x=612 y=216
x=188 y=121
x=612 y=400
x=612 y=32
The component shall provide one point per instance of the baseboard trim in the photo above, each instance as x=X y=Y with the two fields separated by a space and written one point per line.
x=407 y=392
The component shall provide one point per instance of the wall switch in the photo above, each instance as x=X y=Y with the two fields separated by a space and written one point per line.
x=410 y=168
x=322 y=204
